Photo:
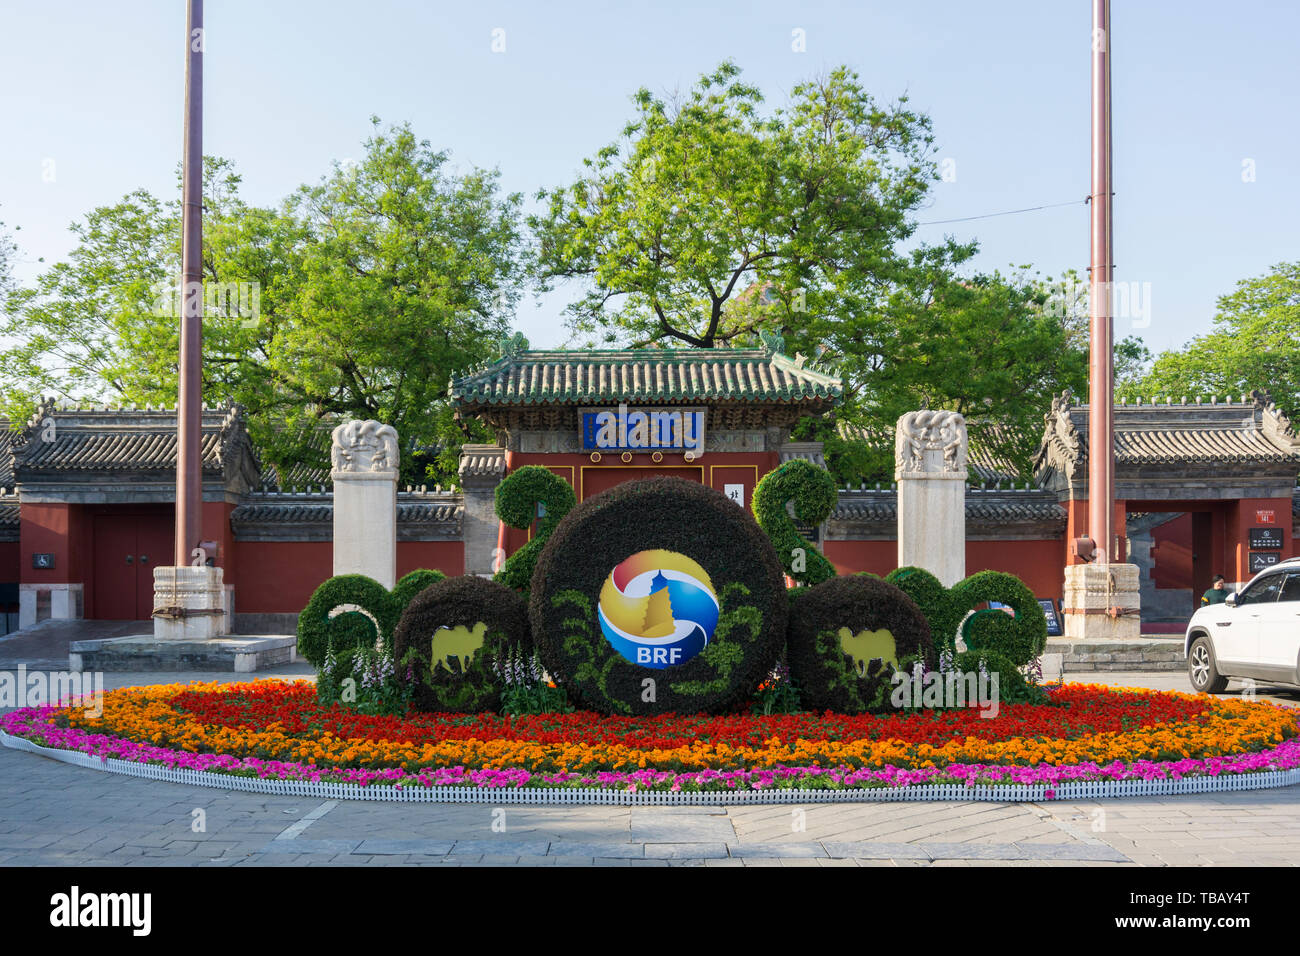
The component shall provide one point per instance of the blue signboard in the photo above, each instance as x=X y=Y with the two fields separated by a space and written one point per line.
x=1053 y=619
x=642 y=429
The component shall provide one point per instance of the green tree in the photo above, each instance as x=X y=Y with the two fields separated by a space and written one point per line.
x=358 y=297
x=991 y=347
x=704 y=197
x=1254 y=344
x=710 y=220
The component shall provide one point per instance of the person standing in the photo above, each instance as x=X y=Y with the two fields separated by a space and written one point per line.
x=1217 y=593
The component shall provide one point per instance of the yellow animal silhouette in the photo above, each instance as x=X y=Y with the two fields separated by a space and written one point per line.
x=457 y=643
x=867 y=646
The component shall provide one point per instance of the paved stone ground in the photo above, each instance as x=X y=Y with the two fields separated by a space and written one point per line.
x=52 y=813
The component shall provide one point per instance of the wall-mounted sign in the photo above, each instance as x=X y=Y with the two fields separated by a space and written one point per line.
x=642 y=429
x=1266 y=539
x=1053 y=619
x=736 y=493
x=1261 y=560
x=42 y=560
x=812 y=533
x=1265 y=517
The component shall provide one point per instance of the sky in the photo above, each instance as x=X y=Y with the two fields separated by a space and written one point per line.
x=1207 y=143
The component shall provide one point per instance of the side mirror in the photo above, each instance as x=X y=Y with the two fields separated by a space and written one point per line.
x=1231 y=599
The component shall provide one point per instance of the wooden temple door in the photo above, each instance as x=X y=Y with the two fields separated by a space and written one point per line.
x=127 y=547
x=598 y=479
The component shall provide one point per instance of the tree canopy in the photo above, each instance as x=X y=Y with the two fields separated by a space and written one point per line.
x=1254 y=343
x=711 y=219
x=358 y=297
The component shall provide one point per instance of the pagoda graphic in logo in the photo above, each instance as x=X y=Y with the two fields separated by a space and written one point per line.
x=658 y=608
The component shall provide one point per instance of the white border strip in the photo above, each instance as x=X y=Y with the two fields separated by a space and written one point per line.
x=1000 y=793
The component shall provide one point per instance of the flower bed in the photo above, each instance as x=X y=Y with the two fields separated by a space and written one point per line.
x=280 y=730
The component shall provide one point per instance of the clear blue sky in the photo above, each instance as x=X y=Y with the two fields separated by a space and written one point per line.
x=95 y=88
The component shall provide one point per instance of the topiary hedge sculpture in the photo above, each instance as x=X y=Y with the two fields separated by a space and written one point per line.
x=1019 y=639
x=812 y=490
x=517 y=498
x=846 y=639
x=409 y=585
x=942 y=608
x=347 y=612
x=453 y=639
x=658 y=595
x=351 y=611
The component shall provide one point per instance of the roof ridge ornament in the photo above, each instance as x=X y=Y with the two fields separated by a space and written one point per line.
x=773 y=342
x=513 y=345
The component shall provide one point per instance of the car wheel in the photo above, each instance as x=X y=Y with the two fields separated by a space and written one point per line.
x=1200 y=668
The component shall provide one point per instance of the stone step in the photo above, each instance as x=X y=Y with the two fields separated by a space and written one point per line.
x=1163 y=653
x=238 y=654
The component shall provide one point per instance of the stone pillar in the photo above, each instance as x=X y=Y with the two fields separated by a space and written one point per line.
x=365 y=459
x=189 y=603
x=1101 y=602
x=930 y=468
x=481 y=469
x=52 y=602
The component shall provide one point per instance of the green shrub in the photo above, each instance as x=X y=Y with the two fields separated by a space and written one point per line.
x=690 y=520
x=941 y=607
x=409 y=585
x=453 y=640
x=1021 y=638
x=517 y=498
x=812 y=490
x=1012 y=686
x=834 y=634
x=349 y=630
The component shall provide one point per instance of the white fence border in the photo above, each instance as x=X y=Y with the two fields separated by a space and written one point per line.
x=1000 y=793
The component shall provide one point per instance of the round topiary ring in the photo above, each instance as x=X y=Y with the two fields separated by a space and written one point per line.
x=1018 y=637
x=847 y=637
x=347 y=612
x=453 y=641
x=657 y=596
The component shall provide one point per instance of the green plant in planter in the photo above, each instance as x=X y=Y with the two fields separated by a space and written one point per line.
x=942 y=607
x=812 y=490
x=517 y=498
x=1012 y=686
x=409 y=585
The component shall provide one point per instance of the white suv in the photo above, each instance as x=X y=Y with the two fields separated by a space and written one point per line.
x=1255 y=633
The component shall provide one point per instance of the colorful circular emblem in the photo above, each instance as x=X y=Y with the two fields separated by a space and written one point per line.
x=658 y=608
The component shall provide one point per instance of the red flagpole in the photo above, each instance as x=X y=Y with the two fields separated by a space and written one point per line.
x=1101 y=443
x=189 y=406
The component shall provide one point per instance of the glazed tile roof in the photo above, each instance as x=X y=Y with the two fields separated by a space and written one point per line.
x=1252 y=431
x=293 y=508
x=1159 y=446
x=62 y=441
x=477 y=461
x=142 y=450
x=991 y=506
x=9 y=437
x=646 y=376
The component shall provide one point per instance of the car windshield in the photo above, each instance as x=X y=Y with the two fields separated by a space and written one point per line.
x=1262 y=591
